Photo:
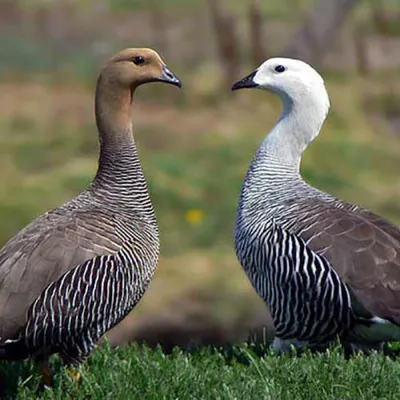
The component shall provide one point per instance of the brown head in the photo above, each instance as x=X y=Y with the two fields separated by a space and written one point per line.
x=118 y=79
x=132 y=67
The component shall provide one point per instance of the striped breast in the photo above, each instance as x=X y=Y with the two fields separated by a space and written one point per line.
x=73 y=312
x=305 y=296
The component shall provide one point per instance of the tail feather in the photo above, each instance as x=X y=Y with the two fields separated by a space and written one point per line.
x=13 y=350
x=376 y=330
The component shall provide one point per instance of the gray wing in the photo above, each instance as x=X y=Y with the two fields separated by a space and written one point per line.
x=39 y=254
x=385 y=225
x=362 y=247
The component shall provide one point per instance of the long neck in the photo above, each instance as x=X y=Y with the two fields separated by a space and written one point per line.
x=277 y=161
x=119 y=180
x=298 y=126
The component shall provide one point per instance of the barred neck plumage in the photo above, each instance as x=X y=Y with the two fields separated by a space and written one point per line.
x=275 y=169
x=119 y=181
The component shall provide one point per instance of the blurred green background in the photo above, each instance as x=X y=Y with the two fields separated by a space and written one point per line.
x=196 y=143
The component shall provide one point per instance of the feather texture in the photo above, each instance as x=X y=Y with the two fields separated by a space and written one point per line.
x=357 y=249
x=76 y=271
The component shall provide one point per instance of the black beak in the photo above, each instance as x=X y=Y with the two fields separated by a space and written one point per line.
x=246 y=82
x=169 y=77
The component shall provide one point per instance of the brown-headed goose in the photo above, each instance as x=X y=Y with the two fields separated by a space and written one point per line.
x=76 y=271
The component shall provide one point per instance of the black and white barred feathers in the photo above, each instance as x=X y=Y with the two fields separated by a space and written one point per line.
x=306 y=297
x=75 y=311
x=324 y=267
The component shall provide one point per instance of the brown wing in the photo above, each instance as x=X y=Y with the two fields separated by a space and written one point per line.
x=385 y=225
x=39 y=254
x=362 y=247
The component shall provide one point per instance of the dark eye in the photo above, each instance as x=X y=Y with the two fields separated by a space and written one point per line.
x=138 y=60
x=280 y=68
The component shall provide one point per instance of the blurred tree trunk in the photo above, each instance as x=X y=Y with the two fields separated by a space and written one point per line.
x=225 y=30
x=361 y=50
x=313 y=39
x=9 y=12
x=256 y=32
x=158 y=25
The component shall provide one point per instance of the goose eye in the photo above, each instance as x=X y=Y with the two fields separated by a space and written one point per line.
x=138 y=60
x=280 y=68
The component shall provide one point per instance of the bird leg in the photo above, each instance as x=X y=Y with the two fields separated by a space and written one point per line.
x=47 y=378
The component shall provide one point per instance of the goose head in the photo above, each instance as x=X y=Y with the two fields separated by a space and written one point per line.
x=133 y=67
x=293 y=80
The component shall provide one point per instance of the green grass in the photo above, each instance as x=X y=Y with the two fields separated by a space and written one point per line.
x=238 y=373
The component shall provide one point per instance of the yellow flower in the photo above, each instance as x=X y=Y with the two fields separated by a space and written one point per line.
x=194 y=216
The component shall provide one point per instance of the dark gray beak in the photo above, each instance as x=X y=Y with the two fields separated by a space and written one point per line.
x=169 y=77
x=246 y=82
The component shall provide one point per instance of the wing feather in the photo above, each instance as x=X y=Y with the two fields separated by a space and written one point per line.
x=362 y=247
x=39 y=254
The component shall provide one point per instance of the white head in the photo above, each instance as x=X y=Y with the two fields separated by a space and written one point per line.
x=291 y=79
x=305 y=100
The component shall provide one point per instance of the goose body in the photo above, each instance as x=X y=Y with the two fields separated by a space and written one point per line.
x=76 y=271
x=357 y=298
